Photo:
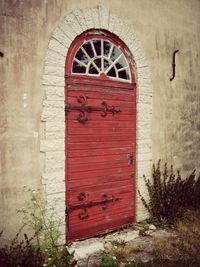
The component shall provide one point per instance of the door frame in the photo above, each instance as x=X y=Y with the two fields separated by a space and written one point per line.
x=78 y=79
x=52 y=144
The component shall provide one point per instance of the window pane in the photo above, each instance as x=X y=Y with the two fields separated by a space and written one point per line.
x=92 y=69
x=123 y=75
x=81 y=56
x=98 y=63
x=115 y=53
x=88 y=49
x=122 y=61
x=106 y=48
x=77 y=68
x=118 y=65
x=106 y=64
x=97 y=45
x=112 y=72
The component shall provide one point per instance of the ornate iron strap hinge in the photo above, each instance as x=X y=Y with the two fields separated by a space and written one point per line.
x=84 y=206
x=85 y=109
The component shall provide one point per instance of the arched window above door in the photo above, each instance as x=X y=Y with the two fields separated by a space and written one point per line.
x=97 y=56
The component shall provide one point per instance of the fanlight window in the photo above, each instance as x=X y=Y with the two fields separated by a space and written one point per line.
x=101 y=56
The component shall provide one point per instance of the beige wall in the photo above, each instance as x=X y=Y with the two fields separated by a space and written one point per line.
x=26 y=27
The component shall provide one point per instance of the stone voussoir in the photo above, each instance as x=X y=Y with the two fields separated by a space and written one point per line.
x=56 y=46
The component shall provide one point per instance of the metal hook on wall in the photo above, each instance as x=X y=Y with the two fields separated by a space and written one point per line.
x=174 y=65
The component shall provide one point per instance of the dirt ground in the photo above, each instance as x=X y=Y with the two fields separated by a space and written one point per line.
x=138 y=242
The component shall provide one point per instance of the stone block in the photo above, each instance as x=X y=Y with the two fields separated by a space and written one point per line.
x=67 y=29
x=54 y=59
x=143 y=134
x=56 y=46
x=54 y=161
x=74 y=24
x=95 y=16
x=141 y=62
x=119 y=27
x=53 y=80
x=144 y=157
x=143 y=124
x=55 y=156
x=56 y=126
x=144 y=108
x=54 y=104
x=51 y=166
x=144 y=148
x=59 y=35
x=124 y=33
x=54 y=93
x=146 y=99
x=53 y=114
x=131 y=39
x=144 y=168
x=58 y=187
x=56 y=200
x=55 y=135
x=54 y=70
x=78 y=13
x=52 y=177
x=142 y=214
x=143 y=73
x=87 y=250
x=144 y=89
x=52 y=145
x=88 y=18
x=116 y=24
x=135 y=47
x=112 y=22
x=103 y=17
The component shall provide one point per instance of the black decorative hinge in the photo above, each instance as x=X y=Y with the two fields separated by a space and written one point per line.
x=85 y=109
x=84 y=206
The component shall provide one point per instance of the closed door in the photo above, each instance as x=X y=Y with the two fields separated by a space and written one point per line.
x=100 y=136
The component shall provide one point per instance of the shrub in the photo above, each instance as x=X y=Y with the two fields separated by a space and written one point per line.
x=21 y=253
x=25 y=254
x=107 y=260
x=42 y=222
x=136 y=263
x=169 y=194
x=42 y=248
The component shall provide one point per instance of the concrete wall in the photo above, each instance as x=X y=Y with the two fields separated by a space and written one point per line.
x=26 y=27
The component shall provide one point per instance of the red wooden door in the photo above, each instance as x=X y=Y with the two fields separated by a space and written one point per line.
x=100 y=136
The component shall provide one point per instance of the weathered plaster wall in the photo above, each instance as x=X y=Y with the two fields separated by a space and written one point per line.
x=26 y=27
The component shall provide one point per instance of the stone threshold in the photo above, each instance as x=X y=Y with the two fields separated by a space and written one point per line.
x=88 y=252
x=89 y=247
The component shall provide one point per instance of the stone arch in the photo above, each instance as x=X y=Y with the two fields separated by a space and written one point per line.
x=53 y=116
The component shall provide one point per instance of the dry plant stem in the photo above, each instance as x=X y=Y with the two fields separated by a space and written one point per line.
x=47 y=228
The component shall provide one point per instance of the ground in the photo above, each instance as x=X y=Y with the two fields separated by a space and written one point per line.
x=135 y=242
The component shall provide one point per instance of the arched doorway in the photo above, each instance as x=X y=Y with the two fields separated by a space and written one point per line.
x=100 y=139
